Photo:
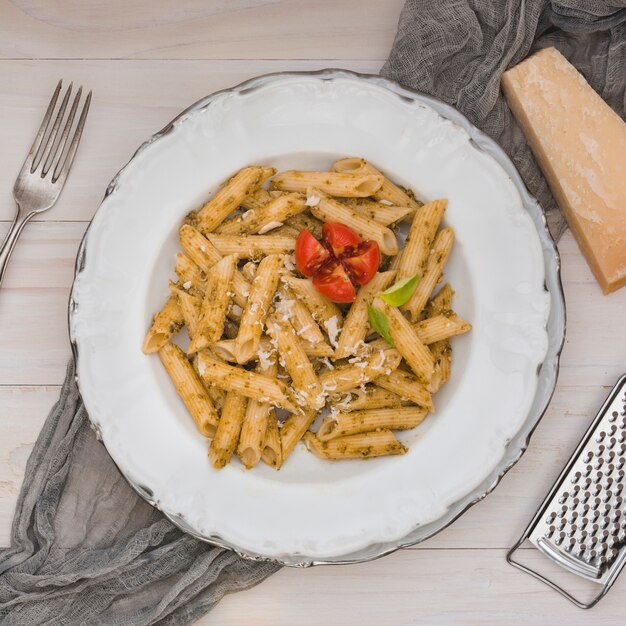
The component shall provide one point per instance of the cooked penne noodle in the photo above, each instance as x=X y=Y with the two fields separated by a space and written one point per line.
x=407 y=386
x=384 y=214
x=228 y=428
x=388 y=190
x=189 y=274
x=215 y=304
x=364 y=369
x=206 y=255
x=252 y=246
x=216 y=394
x=255 y=421
x=361 y=446
x=340 y=423
x=420 y=238
x=347 y=185
x=244 y=382
x=441 y=302
x=189 y=305
x=442 y=353
x=304 y=220
x=432 y=272
x=371 y=397
x=256 y=199
x=294 y=428
x=257 y=307
x=190 y=388
x=293 y=310
x=230 y=196
x=330 y=210
x=272 y=453
x=167 y=322
x=325 y=313
x=264 y=218
x=355 y=325
x=305 y=384
x=406 y=341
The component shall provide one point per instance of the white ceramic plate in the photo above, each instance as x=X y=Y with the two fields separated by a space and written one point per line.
x=504 y=268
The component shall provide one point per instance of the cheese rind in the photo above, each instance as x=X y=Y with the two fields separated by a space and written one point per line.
x=580 y=144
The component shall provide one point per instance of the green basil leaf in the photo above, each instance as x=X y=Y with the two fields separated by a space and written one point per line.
x=379 y=323
x=400 y=293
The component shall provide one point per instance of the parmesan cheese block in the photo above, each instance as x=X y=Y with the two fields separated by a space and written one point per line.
x=580 y=144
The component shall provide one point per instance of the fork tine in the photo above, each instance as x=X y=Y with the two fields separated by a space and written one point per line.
x=44 y=124
x=63 y=166
x=61 y=144
x=51 y=142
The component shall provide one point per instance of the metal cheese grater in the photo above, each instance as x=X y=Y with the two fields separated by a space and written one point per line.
x=581 y=524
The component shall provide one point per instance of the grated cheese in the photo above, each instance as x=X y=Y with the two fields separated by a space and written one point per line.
x=269 y=226
x=333 y=329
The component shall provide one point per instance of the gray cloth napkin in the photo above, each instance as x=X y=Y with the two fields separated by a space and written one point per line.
x=458 y=49
x=86 y=549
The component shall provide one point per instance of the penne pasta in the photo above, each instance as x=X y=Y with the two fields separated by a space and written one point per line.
x=252 y=246
x=388 y=191
x=294 y=428
x=256 y=199
x=228 y=428
x=255 y=422
x=230 y=196
x=265 y=218
x=355 y=325
x=347 y=185
x=215 y=304
x=363 y=370
x=329 y=210
x=293 y=310
x=383 y=214
x=306 y=221
x=206 y=255
x=216 y=394
x=189 y=305
x=406 y=385
x=189 y=274
x=406 y=341
x=442 y=354
x=305 y=384
x=439 y=254
x=361 y=446
x=272 y=453
x=340 y=423
x=324 y=312
x=420 y=238
x=190 y=388
x=244 y=382
x=257 y=307
x=166 y=323
x=369 y=397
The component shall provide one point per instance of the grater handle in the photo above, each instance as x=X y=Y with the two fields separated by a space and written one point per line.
x=535 y=574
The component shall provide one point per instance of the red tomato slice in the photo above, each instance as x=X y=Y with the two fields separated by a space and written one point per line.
x=341 y=238
x=310 y=253
x=363 y=263
x=332 y=281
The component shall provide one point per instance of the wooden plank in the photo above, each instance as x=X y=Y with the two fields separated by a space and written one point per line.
x=22 y=413
x=425 y=587
x=195 y=29
x=131 y=102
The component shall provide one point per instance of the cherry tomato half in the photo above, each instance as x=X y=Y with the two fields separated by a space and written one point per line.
x=363 y=263
x=341 y=239
x=332 y=281
x=310 y=253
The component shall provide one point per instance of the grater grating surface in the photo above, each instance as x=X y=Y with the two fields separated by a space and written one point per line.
x=581 y=525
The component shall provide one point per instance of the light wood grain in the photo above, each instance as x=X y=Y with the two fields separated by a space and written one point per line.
x=132 y=101
x=196 y=29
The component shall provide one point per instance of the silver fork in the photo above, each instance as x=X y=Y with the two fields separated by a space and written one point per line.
x=46 y=167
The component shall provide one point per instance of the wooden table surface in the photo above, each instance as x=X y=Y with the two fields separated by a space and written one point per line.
x=147 y=60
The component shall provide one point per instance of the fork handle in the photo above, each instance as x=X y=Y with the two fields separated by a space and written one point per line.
x=19 y=221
